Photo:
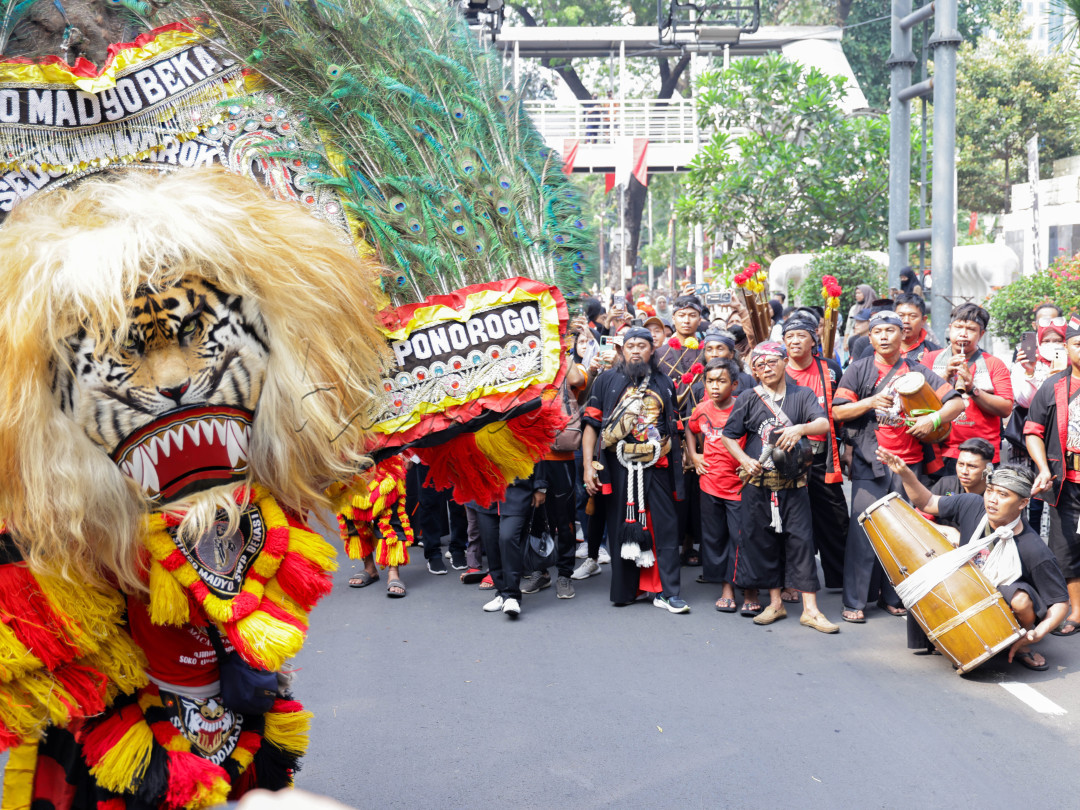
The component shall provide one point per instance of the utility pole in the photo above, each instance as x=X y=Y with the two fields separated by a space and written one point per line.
x=945 y=42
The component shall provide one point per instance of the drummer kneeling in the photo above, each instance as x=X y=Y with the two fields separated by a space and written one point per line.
x=1038 y=596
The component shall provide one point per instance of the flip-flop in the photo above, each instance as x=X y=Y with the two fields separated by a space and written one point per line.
x=854 y=618
x=790 y=595
x=473 y=575
x=395 y=583
x=1068 y=623
x=728 y=607
x=362 y=580
x=750 y=609
x=1027 y=659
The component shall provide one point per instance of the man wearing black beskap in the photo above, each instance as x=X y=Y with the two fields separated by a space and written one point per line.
x=776 y=546
x=1052 y=436
x=630 y=446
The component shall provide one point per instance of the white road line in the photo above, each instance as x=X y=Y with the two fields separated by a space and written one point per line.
x=1033 y=698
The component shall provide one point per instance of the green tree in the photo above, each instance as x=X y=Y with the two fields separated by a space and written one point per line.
x=1006 y=93
x=849 y=267
x=798 y=175
x=1012 y=306
x=867 y=38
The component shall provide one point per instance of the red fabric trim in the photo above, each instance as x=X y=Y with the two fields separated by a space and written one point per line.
x=1034 y=429
x=85 y=69
x=846 y=394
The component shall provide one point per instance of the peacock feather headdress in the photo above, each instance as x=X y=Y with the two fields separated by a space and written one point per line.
x=426 y=141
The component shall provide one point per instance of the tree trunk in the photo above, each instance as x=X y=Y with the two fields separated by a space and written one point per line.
x=637 y=194
x=567 y=71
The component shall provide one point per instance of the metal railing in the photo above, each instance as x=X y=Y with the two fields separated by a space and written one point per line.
x=603 y=120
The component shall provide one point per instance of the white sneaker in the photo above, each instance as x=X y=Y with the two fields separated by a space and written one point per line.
x=603 y=557
x=495 y=605
x=511 y=607
x=589 y=568
x=578 y=533
x=582 y=550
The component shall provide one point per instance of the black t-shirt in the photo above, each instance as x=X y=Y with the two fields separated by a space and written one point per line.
x=752 y=418
x=948 y=485
x=1038 y=567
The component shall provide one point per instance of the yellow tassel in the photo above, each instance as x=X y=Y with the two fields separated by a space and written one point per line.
x=273 y=641
x=288 y=730
x=265 y=565
x=241 y=756
x=276 y=595
x=19 y=776
x=91 y=614
x=15 y=659
x=352 y=548
x=394 y=551
x=497 y=442
x=168 y=600
x=30 y=699
x=124 y=765
x=313 y=549
x=122 y=660
x=217 y=792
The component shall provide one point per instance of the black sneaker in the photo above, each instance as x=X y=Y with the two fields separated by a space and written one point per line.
x=435 y=565
x=457 y=560
x=536 y=581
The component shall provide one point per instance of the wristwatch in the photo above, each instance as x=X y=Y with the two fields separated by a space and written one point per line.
x=975 y=391
x=541 y=491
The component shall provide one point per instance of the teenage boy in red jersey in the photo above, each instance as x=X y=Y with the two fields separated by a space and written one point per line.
x=721 y=486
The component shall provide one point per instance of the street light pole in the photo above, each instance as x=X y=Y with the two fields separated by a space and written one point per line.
x=945 y=42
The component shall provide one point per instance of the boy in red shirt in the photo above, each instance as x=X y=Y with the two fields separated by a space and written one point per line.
x=720 y=484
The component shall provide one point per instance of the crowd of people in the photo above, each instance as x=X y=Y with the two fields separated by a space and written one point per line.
x=691 y=444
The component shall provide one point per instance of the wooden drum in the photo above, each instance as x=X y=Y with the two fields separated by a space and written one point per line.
x=918 y=399
x=964 y=616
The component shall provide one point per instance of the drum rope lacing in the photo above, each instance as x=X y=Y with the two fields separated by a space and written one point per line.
x=925 y=579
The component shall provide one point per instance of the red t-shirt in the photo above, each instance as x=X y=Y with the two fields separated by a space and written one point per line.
x=895 y=439
x=811 y=378
x=722 y=480
x=182 y=656
x=974 y=422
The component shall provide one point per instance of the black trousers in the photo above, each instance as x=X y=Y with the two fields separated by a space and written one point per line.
x=720 y=526
x=660 y=499
x=864 y=578
x=560 y=508
x=689 y=510
x=1065 y=542
x=769 y=559
x=437 y=514
x=504 y=538
x=829 y=513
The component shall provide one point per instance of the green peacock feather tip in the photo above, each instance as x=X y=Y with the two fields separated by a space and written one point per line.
x=426 y=141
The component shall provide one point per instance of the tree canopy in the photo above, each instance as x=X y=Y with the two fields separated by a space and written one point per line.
x=797 y=175
x=1006 y=92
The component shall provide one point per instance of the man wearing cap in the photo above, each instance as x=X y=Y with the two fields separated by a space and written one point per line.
x=655 y=325
x=1026 y=574
x=828 y=506
x=865 y=402
x=983 y=380
x=1052 y=436
x=912 y=311
x=775 y=547
x=630 y=445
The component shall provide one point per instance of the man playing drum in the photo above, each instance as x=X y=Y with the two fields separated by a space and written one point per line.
x=982 y=379
x=863 y=400
x=1037 y=594
x=775 y=547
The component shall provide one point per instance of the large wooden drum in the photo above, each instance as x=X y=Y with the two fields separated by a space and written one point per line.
x=918 y=399
x=964 y=616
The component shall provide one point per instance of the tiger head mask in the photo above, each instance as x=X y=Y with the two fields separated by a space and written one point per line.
x=146 y=321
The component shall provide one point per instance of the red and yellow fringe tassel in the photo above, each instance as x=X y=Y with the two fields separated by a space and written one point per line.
x=267 y=621
x=373 y=500
x=481 y=465
x=64 y=652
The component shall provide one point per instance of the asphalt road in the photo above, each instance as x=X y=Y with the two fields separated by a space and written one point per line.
x=428 y=701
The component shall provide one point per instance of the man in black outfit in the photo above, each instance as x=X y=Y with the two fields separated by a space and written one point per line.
x=776 y=545
x=1038 y=595
x=631 y=438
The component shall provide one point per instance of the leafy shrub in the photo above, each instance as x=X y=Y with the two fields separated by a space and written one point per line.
x=851 y=269
x=1012 y=307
